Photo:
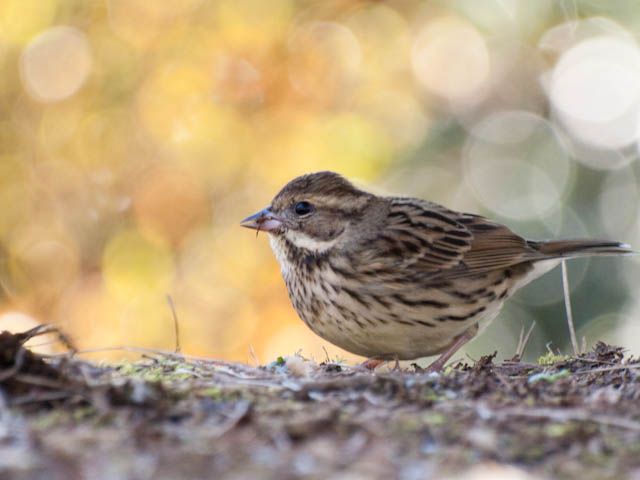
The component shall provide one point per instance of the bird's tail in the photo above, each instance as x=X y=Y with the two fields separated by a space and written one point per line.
x=580 y=248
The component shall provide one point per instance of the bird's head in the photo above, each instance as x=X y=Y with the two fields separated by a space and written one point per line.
x=313 y=212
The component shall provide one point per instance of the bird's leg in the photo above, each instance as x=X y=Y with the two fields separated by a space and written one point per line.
x=372 y=363
x=457 y=343
x=396 y=366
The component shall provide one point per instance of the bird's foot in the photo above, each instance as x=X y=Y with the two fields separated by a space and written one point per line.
x=372 y=363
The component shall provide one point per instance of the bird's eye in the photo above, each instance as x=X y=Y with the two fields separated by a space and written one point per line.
x=303 y=208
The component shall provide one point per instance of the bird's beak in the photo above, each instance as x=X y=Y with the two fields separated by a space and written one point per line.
x=265 y=221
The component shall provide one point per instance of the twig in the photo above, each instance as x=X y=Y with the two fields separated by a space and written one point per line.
x=631 y=366
x=253 y=355
x=17 y=364
x=43 y=330
x=567 y=305
x=44 y=344
x=35 y=397
x=548 y=347
x=175 y=323
x=326 y=354
x=520 y=340
x=524 y=339
x=599 y=362
x=38 y=381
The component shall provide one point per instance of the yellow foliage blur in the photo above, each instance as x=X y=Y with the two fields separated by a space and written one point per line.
x=136 y=134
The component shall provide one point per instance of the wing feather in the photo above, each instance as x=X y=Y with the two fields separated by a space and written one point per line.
x=424 y=240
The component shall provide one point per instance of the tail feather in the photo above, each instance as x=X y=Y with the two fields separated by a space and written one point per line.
x=580 y=248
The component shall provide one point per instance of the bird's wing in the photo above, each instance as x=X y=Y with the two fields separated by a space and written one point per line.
x=493 y=247
x=426 y=240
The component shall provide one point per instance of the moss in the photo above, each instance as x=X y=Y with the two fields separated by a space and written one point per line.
x=83 y=412
x=408 y=424
x=447 y=370
x=127 y=368
x=50 y=419
x=552 y=358
x=431 y=395
x=224 y=395
x=558 y=429
x=157 y=370
x=532 y=453
x=434 y=419
x=211 y=392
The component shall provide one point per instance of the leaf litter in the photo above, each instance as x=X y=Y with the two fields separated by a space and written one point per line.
x=171 y=416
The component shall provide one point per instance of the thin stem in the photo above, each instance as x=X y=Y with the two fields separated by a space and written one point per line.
x=567 y=305
x=524 y=339
x=175 y=322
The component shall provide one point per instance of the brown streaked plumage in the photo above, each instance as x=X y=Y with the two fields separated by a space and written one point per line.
x=395 y=277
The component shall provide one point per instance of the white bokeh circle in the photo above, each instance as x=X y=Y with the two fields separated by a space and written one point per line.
x=56 y=64
x=517 y=164
x=594 y=90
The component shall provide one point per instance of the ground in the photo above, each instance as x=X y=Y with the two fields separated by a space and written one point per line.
x=171 y=417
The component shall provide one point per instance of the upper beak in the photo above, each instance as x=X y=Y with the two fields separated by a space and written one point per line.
x=265 y=220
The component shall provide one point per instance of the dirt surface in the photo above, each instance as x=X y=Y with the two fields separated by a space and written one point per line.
x=168 y=417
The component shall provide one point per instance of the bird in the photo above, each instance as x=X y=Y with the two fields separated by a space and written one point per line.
x=399 y=278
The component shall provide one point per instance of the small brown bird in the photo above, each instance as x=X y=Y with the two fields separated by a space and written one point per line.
x=399 y=278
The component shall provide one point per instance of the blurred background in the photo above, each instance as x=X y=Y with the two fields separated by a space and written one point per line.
x=136 y=134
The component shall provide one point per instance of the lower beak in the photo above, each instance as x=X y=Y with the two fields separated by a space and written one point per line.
x=265 y=220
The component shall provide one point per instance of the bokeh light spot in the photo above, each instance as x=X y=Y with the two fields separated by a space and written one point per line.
x=102 y=139
x=398 y=112
x=516 y=164
x=16 y=194
x=140 y=22
x=451 y=60
x=618 y=203
x=383 y=37
x=324 y=60
x=169 y=203
x=133 y=265
x=348 y=143
x=237 y=81
x=595 y=91
x=42 y=260
x=92 y=316
x=614 y=328
x=252 y=22
x=56 y=64
x=177 y=106
x=147 y=321
x=20 y=20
